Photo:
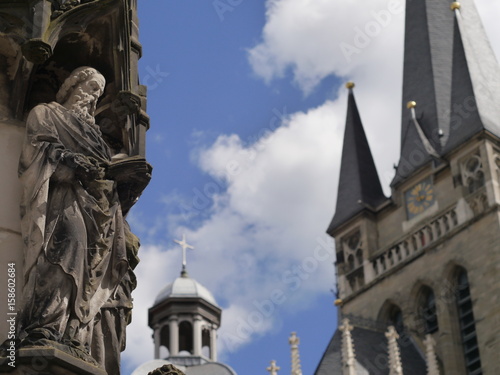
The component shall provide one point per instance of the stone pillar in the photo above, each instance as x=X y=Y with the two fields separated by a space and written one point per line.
x=368 y=270
x=197 y=335
x=173 y=325
x=157 y=340
x=11 y=246
x=488 y=157
x=213 y=343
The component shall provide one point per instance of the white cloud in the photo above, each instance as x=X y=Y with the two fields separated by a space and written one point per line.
x=260 y=248
x=317 y=38
x=265 y=228
x=354 y=39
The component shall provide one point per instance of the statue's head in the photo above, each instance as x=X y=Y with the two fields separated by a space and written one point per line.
x=81 y=91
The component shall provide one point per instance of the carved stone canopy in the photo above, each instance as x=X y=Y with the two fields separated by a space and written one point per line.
x=167 y=370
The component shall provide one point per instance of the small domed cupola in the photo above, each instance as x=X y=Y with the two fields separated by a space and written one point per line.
x=185 y=318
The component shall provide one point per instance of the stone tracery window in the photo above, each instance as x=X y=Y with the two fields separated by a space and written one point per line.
x=467 y=325
x=352 y=251
x=428 y=310
x=472 y=172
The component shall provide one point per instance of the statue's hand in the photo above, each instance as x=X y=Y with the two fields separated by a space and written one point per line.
x=86 y=167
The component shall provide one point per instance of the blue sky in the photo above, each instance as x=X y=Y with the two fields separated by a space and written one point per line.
x=247 y=111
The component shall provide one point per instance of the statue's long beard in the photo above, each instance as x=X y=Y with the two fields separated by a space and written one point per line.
x=85 y=106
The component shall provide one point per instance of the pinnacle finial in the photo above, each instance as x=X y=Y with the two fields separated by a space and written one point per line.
x=294 y=343
x=431 y=359
x=273 y=369
x=455 y=5
x=350 y=85
x=396 y=367
x=348 y=356
x=184 y=245
x=411 y=104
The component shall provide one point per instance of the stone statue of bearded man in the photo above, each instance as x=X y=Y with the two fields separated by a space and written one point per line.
x=72 y=224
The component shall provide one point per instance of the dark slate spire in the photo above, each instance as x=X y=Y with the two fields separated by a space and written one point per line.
x=426 y=80
x=425 y=71
x=448 y=65
x=359 y=185
x=475 y=97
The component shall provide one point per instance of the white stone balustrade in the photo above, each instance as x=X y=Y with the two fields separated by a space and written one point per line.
x=428 y=234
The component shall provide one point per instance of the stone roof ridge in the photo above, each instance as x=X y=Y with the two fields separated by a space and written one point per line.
x=423 y=138
x=417 y=149
x=359 y=184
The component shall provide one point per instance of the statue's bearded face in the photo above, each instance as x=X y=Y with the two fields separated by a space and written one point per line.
x=86 y=94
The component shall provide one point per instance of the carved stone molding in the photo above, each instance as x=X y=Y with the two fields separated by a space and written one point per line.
x=130 y=103
x=144 y=119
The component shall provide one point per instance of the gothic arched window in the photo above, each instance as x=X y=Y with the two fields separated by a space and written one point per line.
x=467 y=325
x=428 y=310
x=395 y=318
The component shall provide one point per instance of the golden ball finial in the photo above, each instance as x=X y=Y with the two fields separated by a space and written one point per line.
x=338 y=302
x=411 y=104
x=455 y=5
x=350 y=85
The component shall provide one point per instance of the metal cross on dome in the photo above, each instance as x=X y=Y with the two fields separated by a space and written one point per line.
x=184 y=245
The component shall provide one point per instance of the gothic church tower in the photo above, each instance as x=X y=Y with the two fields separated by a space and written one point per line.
x=426 y=260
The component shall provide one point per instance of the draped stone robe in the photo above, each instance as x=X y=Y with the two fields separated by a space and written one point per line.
x=69 y=225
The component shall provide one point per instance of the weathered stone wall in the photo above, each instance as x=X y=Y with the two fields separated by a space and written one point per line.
x=477 y=249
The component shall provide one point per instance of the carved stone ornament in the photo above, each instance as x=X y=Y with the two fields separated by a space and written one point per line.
x=36 y=51
x=61 y=6
x=166 y=370
x=472 y=172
